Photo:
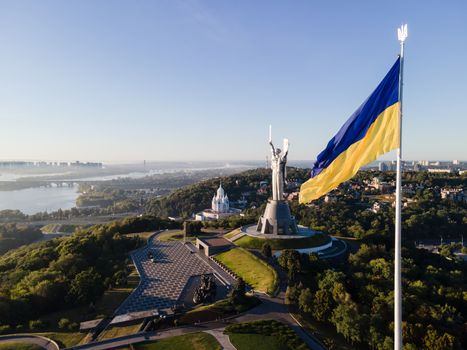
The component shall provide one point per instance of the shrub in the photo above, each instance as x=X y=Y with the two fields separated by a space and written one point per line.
x=4 y=329
x=36 y=324
x=64 y=323
x=280 y=331
x=237 y=295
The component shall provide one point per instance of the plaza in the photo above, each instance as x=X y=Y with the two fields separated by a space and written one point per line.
x=162 y=281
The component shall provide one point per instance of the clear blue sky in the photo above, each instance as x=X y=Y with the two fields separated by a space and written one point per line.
x=202 y=80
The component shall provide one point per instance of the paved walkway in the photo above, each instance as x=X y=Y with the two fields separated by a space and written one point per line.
x=162 y=281
x=222 y=338
x=43 y=342
x=237 y=236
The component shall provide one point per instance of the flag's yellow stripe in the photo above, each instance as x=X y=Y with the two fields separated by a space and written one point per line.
x=381 y=137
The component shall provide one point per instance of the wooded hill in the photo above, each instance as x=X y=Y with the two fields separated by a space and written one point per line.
x=191 y=199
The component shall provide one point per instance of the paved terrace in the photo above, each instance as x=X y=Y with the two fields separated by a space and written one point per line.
x=162 y=281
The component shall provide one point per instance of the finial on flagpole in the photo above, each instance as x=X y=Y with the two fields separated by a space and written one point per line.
x=402 y=33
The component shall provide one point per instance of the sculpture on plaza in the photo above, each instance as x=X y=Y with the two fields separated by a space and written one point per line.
x=206 y=292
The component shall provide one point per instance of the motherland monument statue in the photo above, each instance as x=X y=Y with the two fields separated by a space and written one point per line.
x=277 y=218
x=279 y=170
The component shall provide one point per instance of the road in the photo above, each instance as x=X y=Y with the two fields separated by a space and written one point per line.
x=271 y=308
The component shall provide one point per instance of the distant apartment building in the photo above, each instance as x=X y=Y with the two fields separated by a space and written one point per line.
x=454 y=194
x=382 y=166
x=440 y=170
x=382 y=186
x=43 y=164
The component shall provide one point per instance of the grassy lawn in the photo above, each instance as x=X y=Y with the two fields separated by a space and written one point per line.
x=114 y=297
x=264 y=335
x=19 y=346
x=220 y=309
x=64 y=339
x=279 y=244
x=143 y=235
x=192 y=341
x=256 y=342
x=224 y=305
x=172 y=235
x=257 y=273
x=177 y=235
x=119 y=331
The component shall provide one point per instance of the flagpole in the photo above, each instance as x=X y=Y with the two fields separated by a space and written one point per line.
x=402 y=35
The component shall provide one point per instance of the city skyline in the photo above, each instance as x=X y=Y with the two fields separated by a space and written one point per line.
x=201 y=81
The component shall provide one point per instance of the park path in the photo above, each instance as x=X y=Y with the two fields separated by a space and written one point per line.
x=270 y=308
x=237 y=236
x=222 y=338
x=41 y=341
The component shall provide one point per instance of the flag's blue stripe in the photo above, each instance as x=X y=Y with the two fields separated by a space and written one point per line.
x=384 y=96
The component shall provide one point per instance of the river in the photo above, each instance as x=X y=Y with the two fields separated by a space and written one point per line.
x=39 y=199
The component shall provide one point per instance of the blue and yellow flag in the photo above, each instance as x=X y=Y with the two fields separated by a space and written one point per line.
x=372 y=130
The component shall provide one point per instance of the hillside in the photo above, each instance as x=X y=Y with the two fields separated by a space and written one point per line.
x=13 y=236
x=191 y=199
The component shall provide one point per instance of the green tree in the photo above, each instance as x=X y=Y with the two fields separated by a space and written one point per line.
x=323 y=304
x=293 y=268
x=434 y=340
x=348 y=322
x=64 y=323
x=446 y=250
x=291 y=294
x=305 y=300
x=266 y=250
x=237 y=295
x=86 y=287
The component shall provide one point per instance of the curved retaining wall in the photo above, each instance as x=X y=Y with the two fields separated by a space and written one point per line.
x=309 y=250
x=39 y=340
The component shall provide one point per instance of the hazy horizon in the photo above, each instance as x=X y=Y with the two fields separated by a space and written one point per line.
x=227 y=162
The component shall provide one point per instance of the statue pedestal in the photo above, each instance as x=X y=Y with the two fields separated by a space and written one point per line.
x=277 y=219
